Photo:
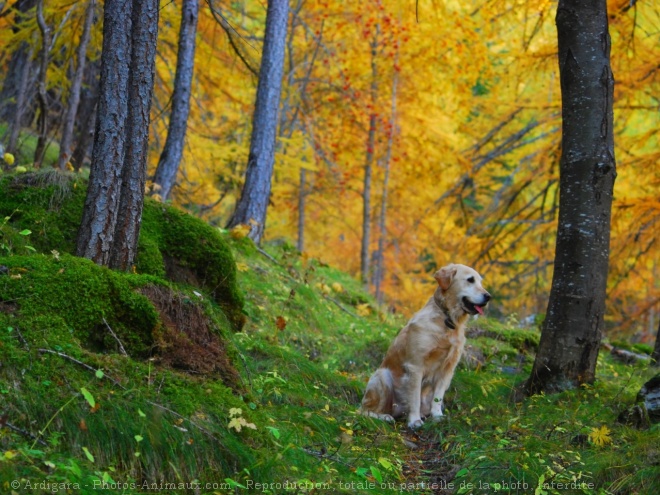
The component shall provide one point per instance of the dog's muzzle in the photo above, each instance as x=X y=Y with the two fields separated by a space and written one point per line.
x=475 y=308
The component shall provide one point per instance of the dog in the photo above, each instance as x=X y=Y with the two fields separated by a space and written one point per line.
x=420 y=363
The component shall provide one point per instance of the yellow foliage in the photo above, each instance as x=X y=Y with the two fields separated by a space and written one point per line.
x=466 y=102
x=363 y=309
x=8 y=158
x=240 y=231
x=600 y=436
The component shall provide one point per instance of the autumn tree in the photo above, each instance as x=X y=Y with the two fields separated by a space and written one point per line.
x=168 y=165
x=253 y=204
x=572 y=331
x=66 y=143
x=110 y=227
x=16 y=88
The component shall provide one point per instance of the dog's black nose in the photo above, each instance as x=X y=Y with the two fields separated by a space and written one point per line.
x=486 y=297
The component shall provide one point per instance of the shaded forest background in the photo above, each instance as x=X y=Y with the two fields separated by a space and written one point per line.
x=455 y=110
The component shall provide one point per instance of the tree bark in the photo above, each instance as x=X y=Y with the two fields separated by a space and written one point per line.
x=15 y=82
x=168 y=165
x=140 y=86
x=655 y=356
x=21 y=98
x=42 y=94
x=96 y=232
x=380 y=257
x=66 y=142
x=366 y=191
x=253 y=204
x=572 y=330
x=302 y=196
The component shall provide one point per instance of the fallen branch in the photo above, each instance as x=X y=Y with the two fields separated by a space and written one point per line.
x=338 y=304
x=628 y=357
x=261 y=251
x=114 y=335
x=115 y=382
x=25 y=433
x=80 y=363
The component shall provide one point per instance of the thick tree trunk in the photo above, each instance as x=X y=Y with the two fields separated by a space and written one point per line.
x=253 y=204
x=66 y=143
x=96 y=232
x=168 y=165
x=572 y=330
x=366 y=191
x=42 y=94
x=140 y=87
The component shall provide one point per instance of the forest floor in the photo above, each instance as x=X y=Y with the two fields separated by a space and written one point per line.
x=89 y=419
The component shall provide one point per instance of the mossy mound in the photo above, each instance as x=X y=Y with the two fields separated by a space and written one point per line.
x=42 y=212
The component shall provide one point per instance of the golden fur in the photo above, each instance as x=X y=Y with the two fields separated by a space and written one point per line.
x=419 y=365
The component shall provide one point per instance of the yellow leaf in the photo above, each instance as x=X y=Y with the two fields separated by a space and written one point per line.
x=240 y=231
x=242 y=267
x=9 y=158
x=600 y=436
x=10 y=454
x=235 y=411
x=236 y=424
x=363 y=309
x=337 y=287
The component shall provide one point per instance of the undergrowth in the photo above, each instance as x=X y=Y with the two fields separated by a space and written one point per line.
x=279 y=415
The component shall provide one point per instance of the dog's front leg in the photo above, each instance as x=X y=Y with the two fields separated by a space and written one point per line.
x=439 y=393
x=414 y=396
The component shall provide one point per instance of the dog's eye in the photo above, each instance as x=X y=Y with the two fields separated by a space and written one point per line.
x=471 y=280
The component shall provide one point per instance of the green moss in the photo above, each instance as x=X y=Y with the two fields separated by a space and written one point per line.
x=191 y=252
x=172 y=243
x=52 y=296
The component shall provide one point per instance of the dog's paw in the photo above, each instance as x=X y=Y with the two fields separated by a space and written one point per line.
x=437 y=417
x=387 y=417
x=414 y=424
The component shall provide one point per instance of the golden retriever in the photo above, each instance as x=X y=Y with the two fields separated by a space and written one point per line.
x=420 y=363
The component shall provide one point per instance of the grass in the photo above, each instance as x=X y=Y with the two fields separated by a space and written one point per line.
x=288 y=421
x=27 y=143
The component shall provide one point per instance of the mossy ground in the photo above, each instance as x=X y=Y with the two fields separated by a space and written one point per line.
x=310 y=341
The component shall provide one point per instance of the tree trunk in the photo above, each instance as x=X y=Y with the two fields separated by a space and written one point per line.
x=366 y=192
x=380 y=257
x=66 y=142
x=42 y=94
x=168 y=165
x=253 y=204
x=97 y=229
x=144 y=35
x=15 y=80
x=302 y=194
x=572 y=330
x=655 y=356
x=86 y=117
x=21 y=98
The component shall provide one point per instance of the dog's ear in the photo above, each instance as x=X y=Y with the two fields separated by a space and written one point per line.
x=444 y=276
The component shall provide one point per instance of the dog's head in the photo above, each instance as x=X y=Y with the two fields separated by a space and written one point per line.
x=461 y=289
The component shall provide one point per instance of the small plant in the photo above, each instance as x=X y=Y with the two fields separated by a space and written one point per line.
x=237 y=421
